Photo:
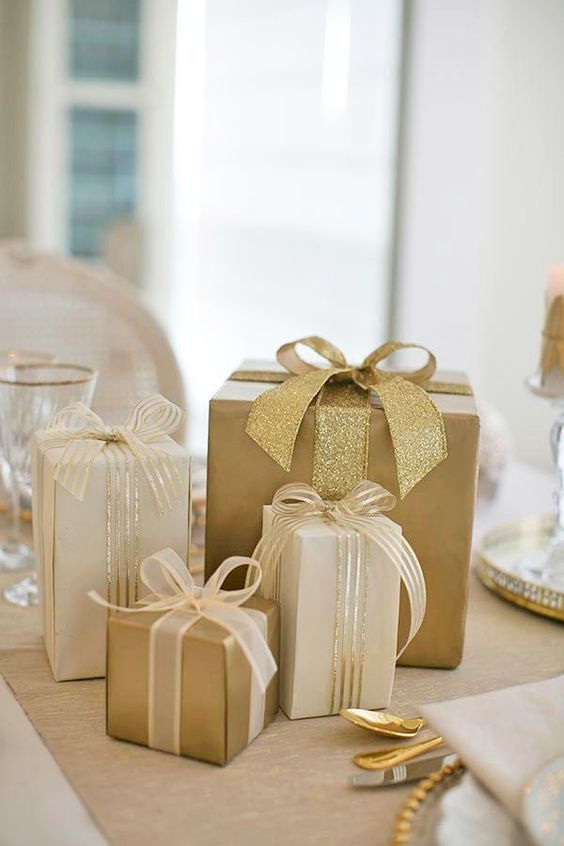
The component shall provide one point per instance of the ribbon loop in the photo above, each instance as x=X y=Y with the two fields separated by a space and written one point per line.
x=416 y=425
x=289 y=358
x=213 y=588
x=421 y=375
x=84 y=435
x=167 y=577
x=153 y=418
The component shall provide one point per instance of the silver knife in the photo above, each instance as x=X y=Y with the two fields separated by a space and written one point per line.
x=403 y=773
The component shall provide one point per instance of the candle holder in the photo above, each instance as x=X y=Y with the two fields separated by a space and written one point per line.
x=547 y=563
x=523 y=562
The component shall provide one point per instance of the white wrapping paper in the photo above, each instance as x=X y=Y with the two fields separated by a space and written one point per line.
x=312 y=683
x=70 y=539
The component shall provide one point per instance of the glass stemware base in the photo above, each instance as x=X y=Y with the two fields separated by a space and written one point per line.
x=14 y=556
x=23 y=593
x=545 y=565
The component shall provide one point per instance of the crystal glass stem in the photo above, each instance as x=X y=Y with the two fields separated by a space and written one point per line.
x=548 y=566
x=557 y=444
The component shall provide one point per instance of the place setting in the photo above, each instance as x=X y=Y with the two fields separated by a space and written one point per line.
x=281 y=423
x=300 y=605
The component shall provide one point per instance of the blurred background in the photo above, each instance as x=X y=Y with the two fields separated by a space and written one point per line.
x=262 y=170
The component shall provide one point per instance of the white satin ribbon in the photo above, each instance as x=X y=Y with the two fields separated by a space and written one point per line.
x=84 y=435
x=173 y=590
x=296 y=504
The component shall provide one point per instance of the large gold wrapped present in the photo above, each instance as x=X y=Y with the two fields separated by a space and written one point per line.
x=198 y=676
x=415 y=434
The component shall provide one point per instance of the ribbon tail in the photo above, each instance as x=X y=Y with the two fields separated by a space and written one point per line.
x=403 y=558
x=417 y=429
x=276 y=415
x=248 y=635
x=270 y=549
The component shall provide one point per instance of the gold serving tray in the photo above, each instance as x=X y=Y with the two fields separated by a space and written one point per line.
x=500 y=553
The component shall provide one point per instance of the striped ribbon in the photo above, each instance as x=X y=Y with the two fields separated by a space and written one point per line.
x=128 y=450
x=357 y=520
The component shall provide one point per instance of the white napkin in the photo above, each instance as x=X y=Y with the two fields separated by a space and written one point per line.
x=471 y=817
x=37 y=804
x=504 y=736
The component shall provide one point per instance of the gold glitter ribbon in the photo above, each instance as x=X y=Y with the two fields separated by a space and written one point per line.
x=342 y=418
x=356 y=519
x=552 y=353
x=84 y=436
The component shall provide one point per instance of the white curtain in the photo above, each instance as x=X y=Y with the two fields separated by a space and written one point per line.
x=285 y=147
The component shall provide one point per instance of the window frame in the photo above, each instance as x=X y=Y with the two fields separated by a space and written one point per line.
x=53 y=93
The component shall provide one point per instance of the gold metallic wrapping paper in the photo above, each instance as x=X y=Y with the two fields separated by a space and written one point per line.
x=436 y=516
x=216 y=684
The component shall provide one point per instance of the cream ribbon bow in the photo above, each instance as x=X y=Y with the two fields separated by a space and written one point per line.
x=84 y=435
x=296 y=504
x=173 y=590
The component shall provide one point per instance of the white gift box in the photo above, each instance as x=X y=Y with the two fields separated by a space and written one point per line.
x=97 y=543
x=339 y=621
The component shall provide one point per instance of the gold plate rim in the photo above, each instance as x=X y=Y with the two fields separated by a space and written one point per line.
x=526 y=527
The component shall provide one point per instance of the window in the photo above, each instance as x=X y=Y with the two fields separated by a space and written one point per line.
x=104 y=39
x=103 y=46
x=102 y=184
x=285 y=161
x=100 y=134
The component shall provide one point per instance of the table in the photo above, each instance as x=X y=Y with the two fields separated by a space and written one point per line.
x=291 y=786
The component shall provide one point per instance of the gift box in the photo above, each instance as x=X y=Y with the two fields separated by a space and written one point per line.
x=103 y=498
x=335 y=568
x=417 y=439
x=198 y=678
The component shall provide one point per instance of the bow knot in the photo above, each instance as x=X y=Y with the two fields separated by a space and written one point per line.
x=366 y=499
x=416 y=425
x=84 y=435
x=111 y=434
x=367 y=374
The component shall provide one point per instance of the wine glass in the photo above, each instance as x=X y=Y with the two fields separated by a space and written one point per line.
x=10 y=357
x=30 y=394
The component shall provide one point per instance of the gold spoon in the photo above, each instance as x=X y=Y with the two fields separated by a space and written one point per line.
x=382 y=722
x=384 y=758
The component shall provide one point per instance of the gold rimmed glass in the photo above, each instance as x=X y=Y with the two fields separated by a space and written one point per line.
x=30 y=394
x=8 y=494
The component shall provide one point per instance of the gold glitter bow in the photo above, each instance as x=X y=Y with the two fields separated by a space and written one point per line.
x=342 y=421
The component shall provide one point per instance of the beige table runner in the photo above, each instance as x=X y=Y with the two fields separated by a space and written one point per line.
x=38 y=804
x=291 y=786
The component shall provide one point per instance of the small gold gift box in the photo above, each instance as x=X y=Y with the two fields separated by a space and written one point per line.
x=198 y=679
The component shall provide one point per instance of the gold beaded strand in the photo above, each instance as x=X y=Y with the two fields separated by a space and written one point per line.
x=403 y=828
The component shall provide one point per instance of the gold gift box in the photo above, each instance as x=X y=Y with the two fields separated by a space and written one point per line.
x=436 y=516
x=216 y=683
